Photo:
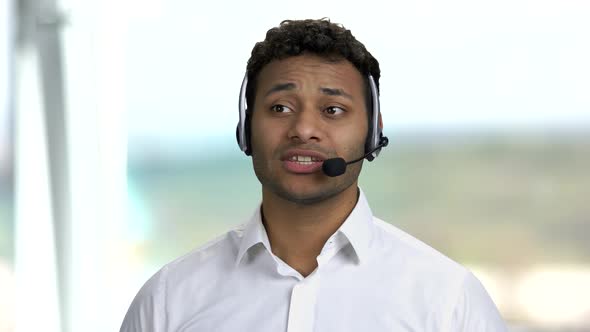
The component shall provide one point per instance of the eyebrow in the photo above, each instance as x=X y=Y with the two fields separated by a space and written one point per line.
x=291 y=86
x=280 y=87
x=335 y=92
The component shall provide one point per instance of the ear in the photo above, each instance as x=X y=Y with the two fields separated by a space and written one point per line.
x=380 y=122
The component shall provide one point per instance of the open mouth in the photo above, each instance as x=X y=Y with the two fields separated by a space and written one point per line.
x=305 y=160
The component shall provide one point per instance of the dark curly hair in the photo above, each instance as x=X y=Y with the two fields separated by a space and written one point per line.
x=319 y=37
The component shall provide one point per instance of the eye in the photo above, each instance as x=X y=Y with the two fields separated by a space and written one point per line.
x=280 y=109
x=334 y=110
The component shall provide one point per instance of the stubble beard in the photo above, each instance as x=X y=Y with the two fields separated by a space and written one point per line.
x=332 y=187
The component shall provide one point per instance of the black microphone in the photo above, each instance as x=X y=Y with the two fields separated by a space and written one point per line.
x=337 y=166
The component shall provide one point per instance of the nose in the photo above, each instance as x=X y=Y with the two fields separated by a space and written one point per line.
x=306 y=126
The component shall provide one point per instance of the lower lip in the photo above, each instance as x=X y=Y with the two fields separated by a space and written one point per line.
x=299 y=168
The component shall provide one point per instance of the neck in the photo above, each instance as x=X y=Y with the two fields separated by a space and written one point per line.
x=297 y=233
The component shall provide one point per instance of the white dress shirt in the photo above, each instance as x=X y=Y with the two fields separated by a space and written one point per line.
x=371 y=276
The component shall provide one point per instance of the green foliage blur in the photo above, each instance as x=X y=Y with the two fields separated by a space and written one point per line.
x=481 y=198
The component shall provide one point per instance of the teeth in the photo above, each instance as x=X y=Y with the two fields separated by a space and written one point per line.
x=305 y=160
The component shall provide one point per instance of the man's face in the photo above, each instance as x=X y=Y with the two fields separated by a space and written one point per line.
x=307 y=109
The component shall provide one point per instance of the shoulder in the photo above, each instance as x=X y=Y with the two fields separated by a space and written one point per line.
x=149 y=309
x=217 y=253
x=474 y=309
x=419 y=270
x=397 y=244
x=457 y=296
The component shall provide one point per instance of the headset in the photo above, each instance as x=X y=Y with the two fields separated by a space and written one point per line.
x=375 y=139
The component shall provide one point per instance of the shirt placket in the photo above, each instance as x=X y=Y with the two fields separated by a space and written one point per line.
x=304 y=294
x=303 y=302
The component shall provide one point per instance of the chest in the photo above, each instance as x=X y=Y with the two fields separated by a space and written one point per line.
x=341 y=300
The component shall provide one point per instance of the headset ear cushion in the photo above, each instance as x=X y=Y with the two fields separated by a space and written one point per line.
x=248 y=151
x=370 y=137
x=247 y=134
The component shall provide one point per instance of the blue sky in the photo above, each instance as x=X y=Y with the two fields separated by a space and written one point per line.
x=445 y=65
x=174 y=67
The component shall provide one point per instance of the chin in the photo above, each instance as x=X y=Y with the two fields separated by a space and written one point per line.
x=304 y=198
x=306 y=194
x=307 y=189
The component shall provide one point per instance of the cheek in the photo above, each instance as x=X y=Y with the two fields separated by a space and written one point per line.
x=355 y=149
x=263 y=138
x=353 y=140
x=257 y=138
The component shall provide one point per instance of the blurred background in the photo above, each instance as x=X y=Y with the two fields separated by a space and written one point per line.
x=118 y=153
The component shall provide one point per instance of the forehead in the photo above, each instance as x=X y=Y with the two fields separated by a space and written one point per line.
x=312 y=70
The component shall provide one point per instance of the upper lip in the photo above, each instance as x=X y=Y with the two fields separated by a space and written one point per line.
x=299 y=152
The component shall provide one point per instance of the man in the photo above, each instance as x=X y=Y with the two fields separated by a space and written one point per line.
x=312 y=257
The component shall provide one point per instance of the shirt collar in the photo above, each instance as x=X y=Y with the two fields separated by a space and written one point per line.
x=357 y=228
x=254 y=233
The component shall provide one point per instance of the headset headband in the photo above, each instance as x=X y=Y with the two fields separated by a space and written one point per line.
x=241 y=133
